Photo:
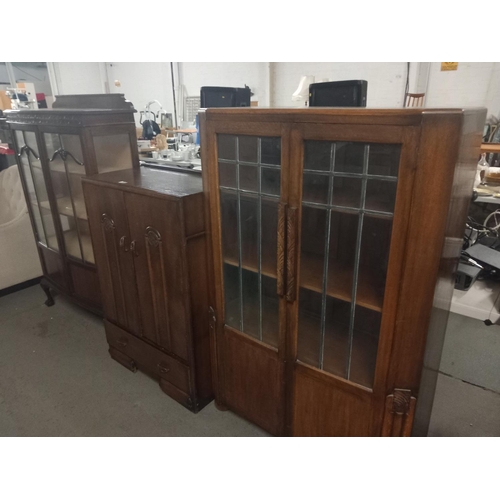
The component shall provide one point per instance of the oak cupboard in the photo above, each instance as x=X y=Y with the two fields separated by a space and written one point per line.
x=81 y=135
x=328 y=231
x=148 y=235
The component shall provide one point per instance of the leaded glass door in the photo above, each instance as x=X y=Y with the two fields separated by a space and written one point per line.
x=250 y=191
x=346 y=194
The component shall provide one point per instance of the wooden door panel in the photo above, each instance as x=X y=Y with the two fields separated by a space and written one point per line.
x=160 y=264
x=352 y=190
x=253 y=374
x=114 y=261
x=320 y=409
x=85 y=283
x=54 y=267
x=248 y=166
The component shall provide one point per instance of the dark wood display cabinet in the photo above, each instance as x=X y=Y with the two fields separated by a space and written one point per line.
x=334 y=234
x=81 y=135
x=148 y=234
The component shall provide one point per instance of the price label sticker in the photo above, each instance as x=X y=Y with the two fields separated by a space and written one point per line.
x=449 y=66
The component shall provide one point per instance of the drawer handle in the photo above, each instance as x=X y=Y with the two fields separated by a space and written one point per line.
x=122 y=243
x=121 y=342
x=163 y=368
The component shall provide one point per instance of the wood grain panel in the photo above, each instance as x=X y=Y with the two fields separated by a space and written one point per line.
x=434 y=182
x=320 y=409
x=384 y=134
x=115 y=266
x=54 y=266
x=85 y=283
x=198 y=286
x=351 y=116
x=160 y=270
x=252 y=380
x=148 y=358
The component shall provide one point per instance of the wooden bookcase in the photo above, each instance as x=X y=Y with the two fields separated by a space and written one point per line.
x=327 y=232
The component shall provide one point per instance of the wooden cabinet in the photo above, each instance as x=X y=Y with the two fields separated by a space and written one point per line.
x=55 y=148
x=327 y=235
x=148 y=232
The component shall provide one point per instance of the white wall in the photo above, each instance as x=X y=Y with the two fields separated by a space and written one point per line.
x=493 y=95
x=386 y=81
x=473 y=84
x=467 y=86
x=78 y=78
x=141 y=82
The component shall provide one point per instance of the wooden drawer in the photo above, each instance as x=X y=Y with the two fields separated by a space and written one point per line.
x=148 y=358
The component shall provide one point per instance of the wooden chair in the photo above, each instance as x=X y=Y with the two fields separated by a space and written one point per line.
x=414 y=100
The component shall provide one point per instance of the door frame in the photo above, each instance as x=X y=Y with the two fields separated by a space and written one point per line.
x=408 y=137
x=209 y=131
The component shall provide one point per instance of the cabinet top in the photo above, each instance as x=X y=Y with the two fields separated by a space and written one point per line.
x=388 y=116
x=77 y=110
x=150 y=181
x=93 y=101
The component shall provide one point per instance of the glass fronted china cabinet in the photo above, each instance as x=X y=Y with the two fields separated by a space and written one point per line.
x=81 y=135
x=327 y=235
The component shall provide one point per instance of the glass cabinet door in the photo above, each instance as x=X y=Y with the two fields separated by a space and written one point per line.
x=112 y=152
x=349 y=191
x=66 y=169
x=30 y=164
x=249 y=182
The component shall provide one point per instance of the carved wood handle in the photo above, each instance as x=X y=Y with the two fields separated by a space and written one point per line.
x=399 y=414
x=133 y=248
x=281 y=249
x=291 y=246
x=123 y=244
x=163 y=368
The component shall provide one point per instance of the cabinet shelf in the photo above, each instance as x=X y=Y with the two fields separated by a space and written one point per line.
x=60 y=170
x=72 y=246
x=65 y=208
x=339 y=284
x=369 y=291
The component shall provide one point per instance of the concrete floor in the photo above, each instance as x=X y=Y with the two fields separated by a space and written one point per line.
x=57 y=379
x=467 y=400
